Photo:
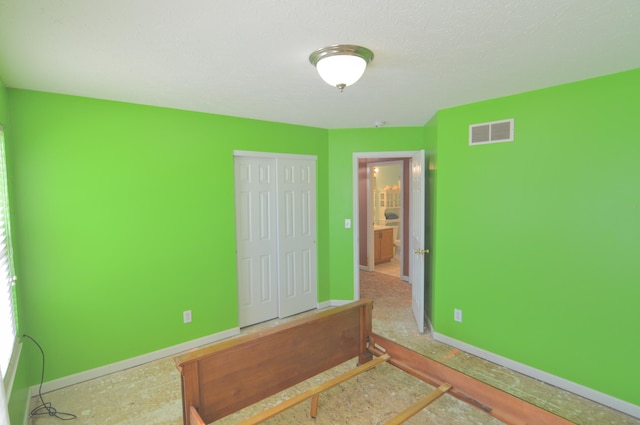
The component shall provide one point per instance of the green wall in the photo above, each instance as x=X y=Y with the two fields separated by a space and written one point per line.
x=537 y=240
x=342 y=145
x=124 y=218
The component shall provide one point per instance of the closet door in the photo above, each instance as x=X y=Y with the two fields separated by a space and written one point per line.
x=297 y=235
x=256 y=239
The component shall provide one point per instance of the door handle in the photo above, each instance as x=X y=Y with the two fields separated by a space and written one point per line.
x=420 y=251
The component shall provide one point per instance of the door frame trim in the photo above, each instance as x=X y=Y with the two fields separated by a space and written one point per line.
x=274 y=155
x=355 y=219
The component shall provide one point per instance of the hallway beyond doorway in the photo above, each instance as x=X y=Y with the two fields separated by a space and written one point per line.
x=391 y=268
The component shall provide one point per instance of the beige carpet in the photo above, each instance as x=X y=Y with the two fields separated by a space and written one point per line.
x=392 y=314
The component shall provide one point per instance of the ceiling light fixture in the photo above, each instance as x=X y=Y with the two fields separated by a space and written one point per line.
x=341 y=65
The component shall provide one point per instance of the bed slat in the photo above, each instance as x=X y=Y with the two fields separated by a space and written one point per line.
x=419 y=405
x=313 y=393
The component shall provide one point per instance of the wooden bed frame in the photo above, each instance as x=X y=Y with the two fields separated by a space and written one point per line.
x=223 y=378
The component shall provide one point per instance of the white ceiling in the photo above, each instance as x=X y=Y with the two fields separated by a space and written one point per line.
x=250 y=58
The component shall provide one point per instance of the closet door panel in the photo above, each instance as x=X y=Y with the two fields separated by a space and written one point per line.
x=256 y=239
x=297 y=241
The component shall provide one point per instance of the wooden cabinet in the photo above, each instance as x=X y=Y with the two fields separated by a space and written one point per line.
x=387 y=206
x=382 y=245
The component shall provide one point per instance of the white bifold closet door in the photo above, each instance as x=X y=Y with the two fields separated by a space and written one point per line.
x=275 y=208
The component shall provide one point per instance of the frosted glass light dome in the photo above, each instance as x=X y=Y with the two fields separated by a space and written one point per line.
x=341 y=70
x=341 y=65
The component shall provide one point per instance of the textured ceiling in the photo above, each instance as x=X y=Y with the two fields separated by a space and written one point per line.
x=250 y=58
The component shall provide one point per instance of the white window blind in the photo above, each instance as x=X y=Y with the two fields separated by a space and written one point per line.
x=7 y=279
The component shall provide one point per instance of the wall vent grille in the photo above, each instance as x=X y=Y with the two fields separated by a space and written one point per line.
x=491 y=132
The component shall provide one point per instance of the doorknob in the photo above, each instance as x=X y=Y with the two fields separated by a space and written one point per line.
x=420 y=251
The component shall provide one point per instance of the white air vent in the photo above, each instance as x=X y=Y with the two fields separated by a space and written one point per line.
x=491 y=132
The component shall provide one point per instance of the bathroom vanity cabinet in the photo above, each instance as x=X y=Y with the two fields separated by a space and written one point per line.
x=382 y=245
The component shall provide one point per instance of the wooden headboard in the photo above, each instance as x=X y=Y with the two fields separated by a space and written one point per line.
x=226 y=377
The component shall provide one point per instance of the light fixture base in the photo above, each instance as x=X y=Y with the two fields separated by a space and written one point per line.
x=341 y=49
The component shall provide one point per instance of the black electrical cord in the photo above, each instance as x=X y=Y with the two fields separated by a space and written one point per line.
x=46 y=408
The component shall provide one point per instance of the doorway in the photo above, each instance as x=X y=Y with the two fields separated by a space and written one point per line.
x=387 y=202
x=413 y=232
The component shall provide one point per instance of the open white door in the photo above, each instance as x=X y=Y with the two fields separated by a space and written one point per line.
x=417 y=244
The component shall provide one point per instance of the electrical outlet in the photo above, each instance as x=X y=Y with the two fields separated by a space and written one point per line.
x=347 y=223
x=186 y=316
x=457 y=315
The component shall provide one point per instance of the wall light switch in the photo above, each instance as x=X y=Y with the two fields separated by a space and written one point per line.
x=457 y=315
x=347 y=223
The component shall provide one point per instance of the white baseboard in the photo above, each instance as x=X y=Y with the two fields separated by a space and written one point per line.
x=146 y=358
x=581 y=390
x=27 y=411
x=7 y=380
x=333 y=303
x=132 y=362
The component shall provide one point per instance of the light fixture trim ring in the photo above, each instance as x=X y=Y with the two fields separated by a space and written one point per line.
x=341 y=49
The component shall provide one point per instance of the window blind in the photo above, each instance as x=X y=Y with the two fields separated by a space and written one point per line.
x=7 y=279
